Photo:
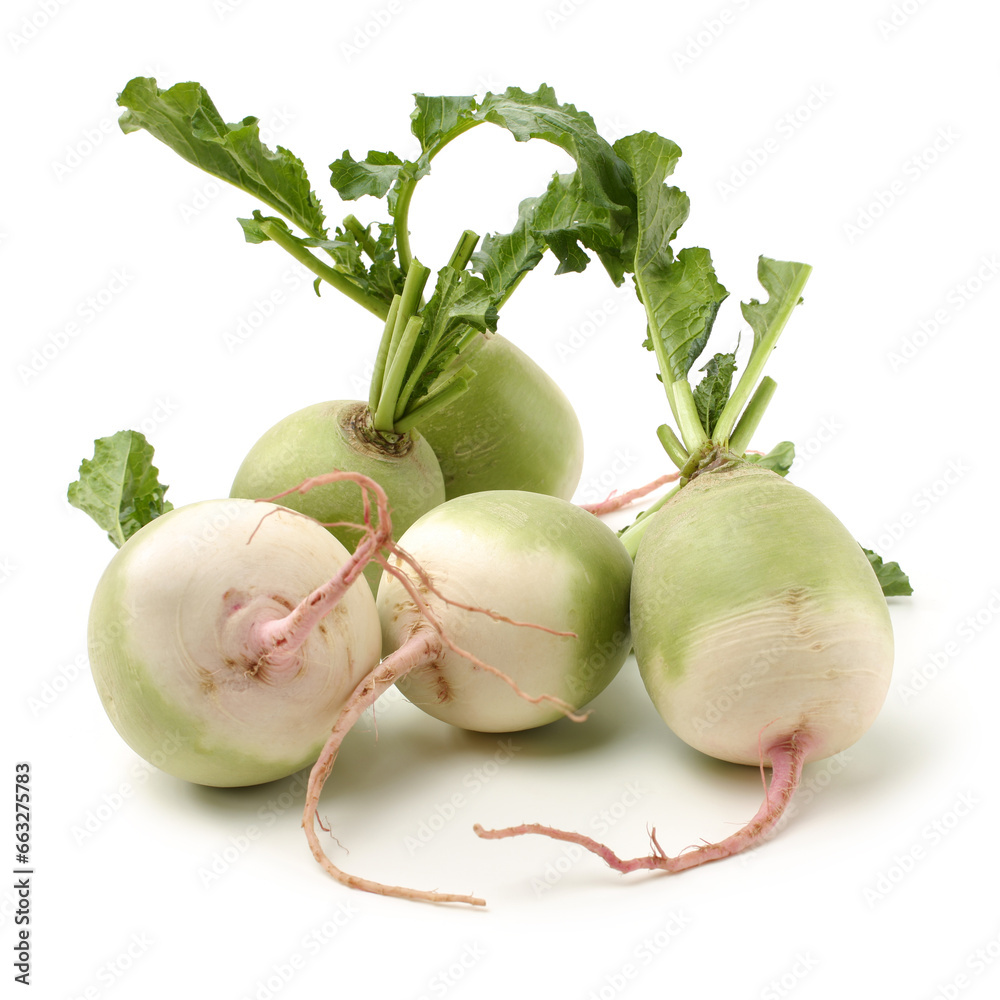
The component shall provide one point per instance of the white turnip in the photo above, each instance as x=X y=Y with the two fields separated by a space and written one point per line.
x=231 y=633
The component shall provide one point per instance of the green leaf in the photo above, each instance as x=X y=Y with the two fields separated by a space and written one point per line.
x=681 y=300
x=435 y=118
x=779 y=459
x=373 y=175
x=185 y=118
x=782 y=280
x=602 y=198
x=118 y=487
x=681 y=294
x=604 y=176
x=561 y=220
x=711 y=393
x=894 y=582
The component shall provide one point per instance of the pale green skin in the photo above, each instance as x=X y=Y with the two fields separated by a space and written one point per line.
x=514 y=429
x=319 y=439
x=533 y=558
x=755 y=614
x=167 y=650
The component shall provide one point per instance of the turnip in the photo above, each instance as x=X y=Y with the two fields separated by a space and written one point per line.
x=374 y=438
x=500 y=611
x=223 y=657
x=226 y=635
x=760 y=628
x=518 y=430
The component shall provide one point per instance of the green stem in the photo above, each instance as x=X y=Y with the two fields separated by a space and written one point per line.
x=672 y=446
x=632 y=535
x=463 y=250
x=358 y=231
x=384 y=417
x=340 y=281
x=739 y=440
x=663 y=363
x=375 y=388
x=758 y=358
x=405 y=196
x=686 y=412
x=452 y=389
x=413 y=290
x=510 y=289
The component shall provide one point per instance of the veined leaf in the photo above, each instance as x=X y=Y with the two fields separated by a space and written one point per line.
x=779 y=459
x=681 y=294
x=373 y=175
x=435 y=118
x=893 y=581
x=711 y=393
x=118 y=487
x=185 y=118
x=780 y=279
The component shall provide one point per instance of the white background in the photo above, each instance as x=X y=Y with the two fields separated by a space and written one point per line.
x=798 y=122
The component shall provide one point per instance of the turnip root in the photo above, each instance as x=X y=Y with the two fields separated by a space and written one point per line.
x=761 y=634
x=501 y=610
